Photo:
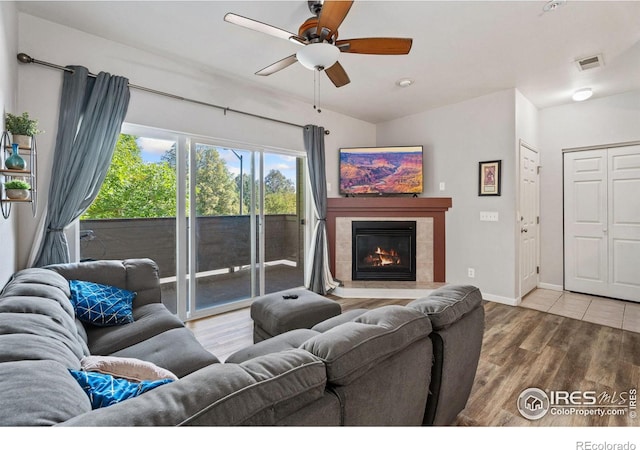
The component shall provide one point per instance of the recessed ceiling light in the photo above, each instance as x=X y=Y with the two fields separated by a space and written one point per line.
x=404 y=82
x=582 y=94
x=553 y=5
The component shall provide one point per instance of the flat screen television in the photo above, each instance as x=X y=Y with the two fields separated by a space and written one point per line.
x=381 y=170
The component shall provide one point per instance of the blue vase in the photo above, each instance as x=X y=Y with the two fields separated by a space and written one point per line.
x=15 y=161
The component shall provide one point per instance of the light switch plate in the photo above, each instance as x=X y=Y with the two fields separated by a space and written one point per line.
x=489 y=216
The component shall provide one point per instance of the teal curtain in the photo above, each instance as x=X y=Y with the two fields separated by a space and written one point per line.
x=91 y=114
x=320 y=280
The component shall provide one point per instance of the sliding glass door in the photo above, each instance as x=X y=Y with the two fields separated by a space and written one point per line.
x=247 y=236
x=223 y=223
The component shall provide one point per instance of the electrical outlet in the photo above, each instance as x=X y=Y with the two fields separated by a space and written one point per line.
x=442 y=185
x=328 y=187
x=471 y=272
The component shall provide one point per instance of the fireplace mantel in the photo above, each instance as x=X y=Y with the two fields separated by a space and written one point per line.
x=392 y=207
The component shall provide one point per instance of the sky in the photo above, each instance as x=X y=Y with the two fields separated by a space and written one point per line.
x=153 y=149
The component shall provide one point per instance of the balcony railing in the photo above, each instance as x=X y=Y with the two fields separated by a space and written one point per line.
x=223 y=246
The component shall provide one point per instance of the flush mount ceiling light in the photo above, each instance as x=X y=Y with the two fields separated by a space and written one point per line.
x=553 y=5
x=404 y=82
x=318 y=56
x=582 y=94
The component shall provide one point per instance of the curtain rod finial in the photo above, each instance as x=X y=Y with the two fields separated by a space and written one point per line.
x=327 y=132
x=24 y=58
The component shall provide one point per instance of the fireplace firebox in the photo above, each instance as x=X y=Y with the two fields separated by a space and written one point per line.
x=384 y=250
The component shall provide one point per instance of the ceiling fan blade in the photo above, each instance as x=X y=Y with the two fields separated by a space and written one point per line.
x=263 y=28
x=376 y=46
x=277 y=66
x=337 y=75
x=331 y=16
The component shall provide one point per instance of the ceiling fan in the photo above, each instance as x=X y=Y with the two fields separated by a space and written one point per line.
x=319 y=37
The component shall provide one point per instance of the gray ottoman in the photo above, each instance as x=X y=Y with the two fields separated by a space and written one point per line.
x=273 y=314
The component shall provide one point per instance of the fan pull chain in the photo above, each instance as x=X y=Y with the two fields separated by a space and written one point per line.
x=316 y=90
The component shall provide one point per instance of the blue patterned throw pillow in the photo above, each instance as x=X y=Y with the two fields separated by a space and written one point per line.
x=100 y=304
x=105 y=390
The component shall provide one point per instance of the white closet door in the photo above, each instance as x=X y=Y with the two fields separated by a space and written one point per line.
x=602 y=222
x=585 y=221
x=624 y=222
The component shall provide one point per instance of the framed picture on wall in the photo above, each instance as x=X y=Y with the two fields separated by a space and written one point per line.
x=489 y=177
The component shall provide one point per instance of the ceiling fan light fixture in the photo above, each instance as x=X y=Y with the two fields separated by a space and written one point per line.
x=582 y=94
x=318 y=55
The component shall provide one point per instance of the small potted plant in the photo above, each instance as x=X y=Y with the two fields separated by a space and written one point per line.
x=17 y=189
x=22 y=129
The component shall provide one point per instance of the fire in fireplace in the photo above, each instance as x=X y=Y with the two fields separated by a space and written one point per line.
x=384 y=250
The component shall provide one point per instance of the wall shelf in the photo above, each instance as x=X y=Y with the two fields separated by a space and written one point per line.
x=29 y=174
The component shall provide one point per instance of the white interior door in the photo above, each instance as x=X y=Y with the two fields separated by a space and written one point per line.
x=624 y=222
x=529 y=219
x=602 y=222
x=585 y=221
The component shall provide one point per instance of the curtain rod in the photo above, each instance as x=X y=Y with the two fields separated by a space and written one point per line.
x=24 y=58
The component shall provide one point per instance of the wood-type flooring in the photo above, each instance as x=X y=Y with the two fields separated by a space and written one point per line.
x=522 y=348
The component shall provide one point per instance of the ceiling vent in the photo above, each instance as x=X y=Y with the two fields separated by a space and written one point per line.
x=590 y=62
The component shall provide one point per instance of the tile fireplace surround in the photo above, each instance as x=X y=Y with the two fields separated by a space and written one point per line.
x=429 y=214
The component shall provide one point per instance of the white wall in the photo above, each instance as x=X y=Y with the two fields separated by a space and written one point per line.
x=39 y=91
x=599 y=121
x=8 y=94
x=455 y=139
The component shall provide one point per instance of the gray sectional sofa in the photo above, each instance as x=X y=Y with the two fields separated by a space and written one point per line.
x=392 y=365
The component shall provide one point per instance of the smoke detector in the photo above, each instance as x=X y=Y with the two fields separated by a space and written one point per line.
x=404 y=82
x=590 y=62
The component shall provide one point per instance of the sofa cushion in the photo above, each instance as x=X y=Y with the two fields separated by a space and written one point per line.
x=140 y=275
x=38 y=393
x=176 y=350
x=132 y=369
x=37 y=336
x=345 y=317
x=258 y=392
x=446 y=305
x=285 y=341
x=353 y=348
x=100 y=304
x=39 y=306
x=149 y=320
x=36 y=282
x=38 y=291
x=105 y=390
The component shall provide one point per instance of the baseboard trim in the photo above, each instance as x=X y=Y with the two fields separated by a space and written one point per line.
x=499 y=299
x=551 y=287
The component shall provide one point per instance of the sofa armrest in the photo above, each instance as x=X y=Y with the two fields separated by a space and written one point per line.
x=353 y=348
x=260 y=391
x=457 y=316
x=448 y=304
x=285 y=341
